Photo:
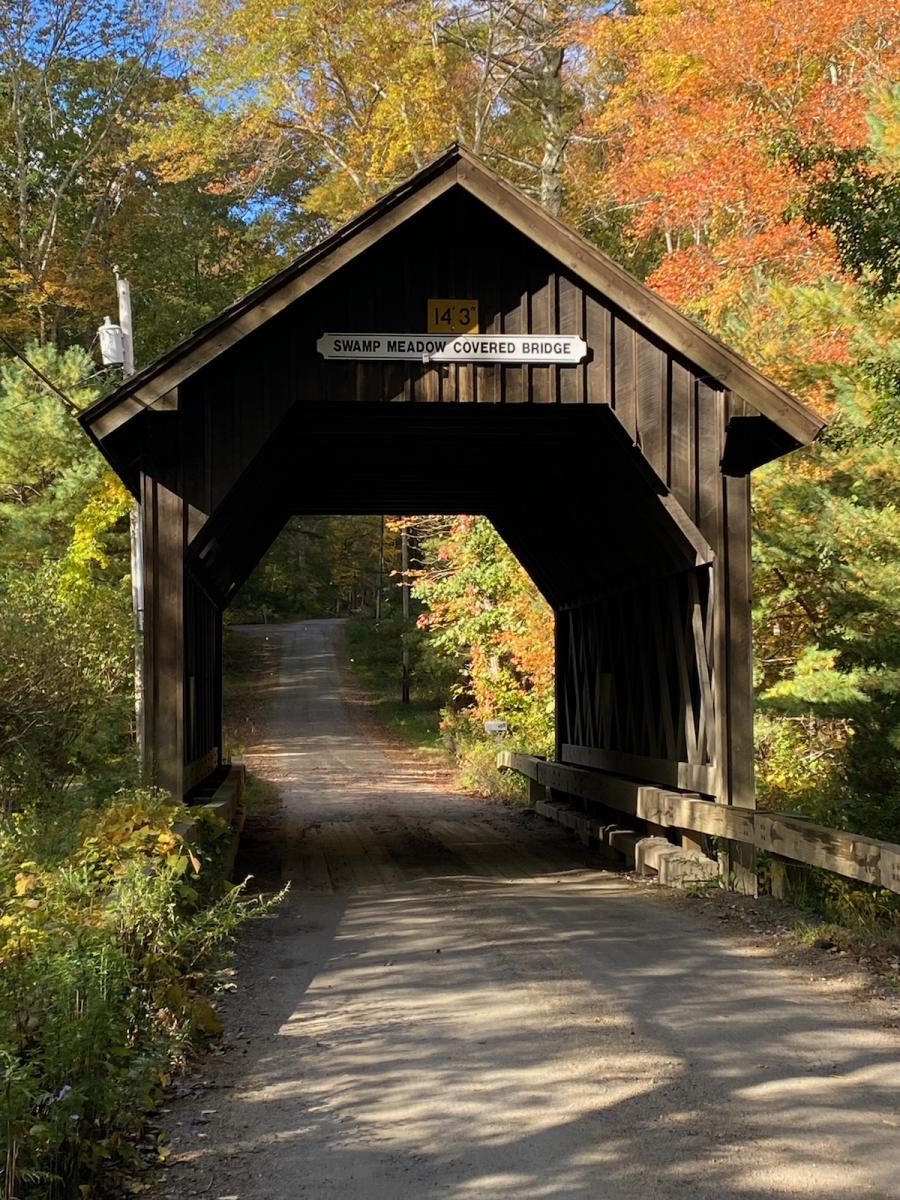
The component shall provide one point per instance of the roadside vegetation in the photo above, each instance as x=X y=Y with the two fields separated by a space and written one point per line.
x=111 y=922
x=375 y=653
x=109 y=940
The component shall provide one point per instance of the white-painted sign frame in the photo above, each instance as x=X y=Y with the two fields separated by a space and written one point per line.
x=536 y=348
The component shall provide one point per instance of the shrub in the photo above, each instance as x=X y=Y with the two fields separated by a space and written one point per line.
x=108 y=923
x=65 y=669
x=475 y=754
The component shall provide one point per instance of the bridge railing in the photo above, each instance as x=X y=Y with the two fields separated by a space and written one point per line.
x=784 y=835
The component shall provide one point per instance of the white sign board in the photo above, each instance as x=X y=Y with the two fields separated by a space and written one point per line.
x=454 y=347
x=496 y=726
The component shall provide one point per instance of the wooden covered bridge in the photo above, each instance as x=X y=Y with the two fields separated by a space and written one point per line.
x=455 y=349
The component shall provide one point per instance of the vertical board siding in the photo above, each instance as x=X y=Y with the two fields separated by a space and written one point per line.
x=600 y=363
x=540 y=320
x=202 y=670
x=635 y=675
x=680 y=474
x=569 y=302
x=661 y=401
x=651 y=389
x=515 y=383
x=623 y=397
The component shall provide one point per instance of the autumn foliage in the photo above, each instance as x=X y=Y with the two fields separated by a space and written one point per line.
x=480 y=604
x=714 y=103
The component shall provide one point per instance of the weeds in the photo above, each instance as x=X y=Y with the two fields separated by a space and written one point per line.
x=109 y=924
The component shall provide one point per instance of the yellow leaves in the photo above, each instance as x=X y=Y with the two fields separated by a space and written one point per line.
x=106 y=505
x=798 y=758
x=131 y=830
x=365 y=89
x=166 y=842
x=25 y=883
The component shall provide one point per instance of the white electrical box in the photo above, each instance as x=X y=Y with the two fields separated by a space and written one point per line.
x=112 y=343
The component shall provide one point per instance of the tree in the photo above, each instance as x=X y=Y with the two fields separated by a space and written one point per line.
x=70 y=76
x=707 y=106
x=525 y=99
x=65 y=636
x=319 y=567
x=77 y=81
x=481 y=605
x=855 y=192
x=48 y=469
x=346 y=99
x=827 y=583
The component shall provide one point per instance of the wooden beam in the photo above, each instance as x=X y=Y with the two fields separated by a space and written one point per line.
x=676 y=810
x=195 y=772
x=847 y=854
x=790 y=837
x=690 y=776
x=164 y=528
x=739 y=642
x=687 y=529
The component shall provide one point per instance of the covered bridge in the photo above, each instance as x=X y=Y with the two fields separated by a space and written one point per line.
x=455 y=349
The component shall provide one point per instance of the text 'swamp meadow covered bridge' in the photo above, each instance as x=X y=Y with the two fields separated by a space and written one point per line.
x=455 y=349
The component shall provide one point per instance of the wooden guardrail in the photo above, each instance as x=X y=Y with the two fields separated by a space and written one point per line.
x=789 y=837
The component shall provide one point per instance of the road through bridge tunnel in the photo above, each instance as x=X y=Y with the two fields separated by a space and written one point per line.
x=456 y=350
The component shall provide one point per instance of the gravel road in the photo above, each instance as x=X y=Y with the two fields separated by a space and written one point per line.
x=457 y=1002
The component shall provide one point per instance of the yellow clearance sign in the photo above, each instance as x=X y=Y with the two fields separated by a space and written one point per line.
x=452 y=316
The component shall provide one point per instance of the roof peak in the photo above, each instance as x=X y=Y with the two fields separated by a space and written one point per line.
x=455 y=166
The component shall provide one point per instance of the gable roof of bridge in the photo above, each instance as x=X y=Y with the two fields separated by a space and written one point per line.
x=456 y=167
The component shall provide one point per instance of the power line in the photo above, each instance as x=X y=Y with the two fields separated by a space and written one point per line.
x=67 y=400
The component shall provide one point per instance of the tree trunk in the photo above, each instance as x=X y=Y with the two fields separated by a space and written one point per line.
x=555 y=123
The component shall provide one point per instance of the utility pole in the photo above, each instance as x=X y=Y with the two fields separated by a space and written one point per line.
x=123 y=291
x=380 y=574
x=118 y=347
x=404 y=591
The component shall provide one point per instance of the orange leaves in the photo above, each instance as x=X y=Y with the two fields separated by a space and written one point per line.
x=705 y=279
x=709 y=98
x=480 y=603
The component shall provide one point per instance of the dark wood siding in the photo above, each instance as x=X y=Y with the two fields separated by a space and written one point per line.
x=636 y=676
x=203 y=673
x=664 y=403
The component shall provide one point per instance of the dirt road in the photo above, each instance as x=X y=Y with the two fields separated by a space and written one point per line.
x=456 y=1002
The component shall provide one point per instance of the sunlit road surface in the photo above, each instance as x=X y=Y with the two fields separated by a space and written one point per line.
x=456 y=1001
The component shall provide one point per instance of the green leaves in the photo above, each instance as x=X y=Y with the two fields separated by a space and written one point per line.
x=65 y=637
x=856 y=194
x=815 y=681
x=103 y=948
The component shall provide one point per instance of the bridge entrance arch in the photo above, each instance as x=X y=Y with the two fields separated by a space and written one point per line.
x=608 y=438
